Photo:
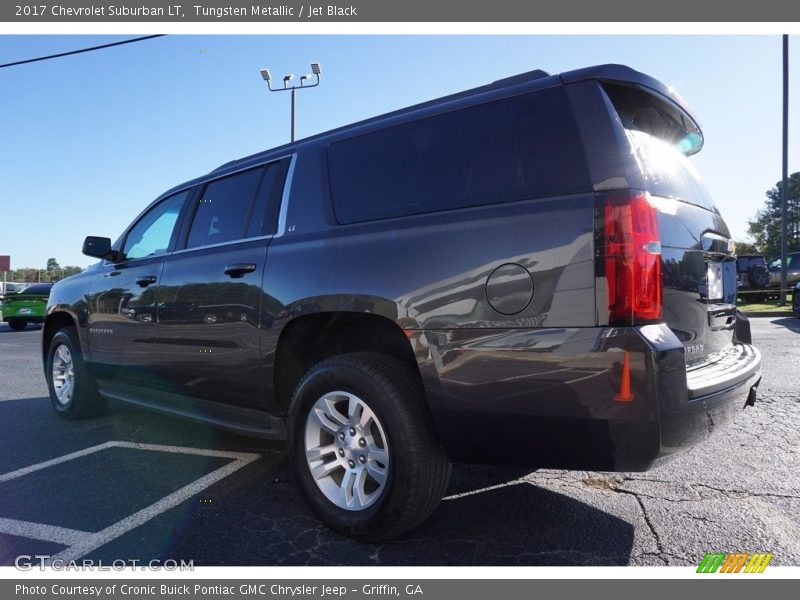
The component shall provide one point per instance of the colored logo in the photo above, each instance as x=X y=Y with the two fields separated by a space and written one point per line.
x=736 y=562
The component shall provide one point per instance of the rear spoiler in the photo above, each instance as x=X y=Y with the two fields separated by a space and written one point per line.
x=23 y=296
x=622 y=75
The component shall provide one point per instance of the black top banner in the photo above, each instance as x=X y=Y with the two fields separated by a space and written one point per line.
x=402 y=11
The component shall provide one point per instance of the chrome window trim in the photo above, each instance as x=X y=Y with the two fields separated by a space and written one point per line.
x=220 y=244
x=287 y=188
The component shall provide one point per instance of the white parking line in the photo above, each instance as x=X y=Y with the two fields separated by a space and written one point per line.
x=40 y=531
x=486 y=489
x=80 y=543
x=56 y=461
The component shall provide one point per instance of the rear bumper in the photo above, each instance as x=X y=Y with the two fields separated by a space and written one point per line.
x=26 y=318
x=550 y=397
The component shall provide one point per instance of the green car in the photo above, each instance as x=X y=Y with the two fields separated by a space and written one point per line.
x=27 y=306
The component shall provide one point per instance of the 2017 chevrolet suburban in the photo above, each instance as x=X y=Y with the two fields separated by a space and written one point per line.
x=526 y=273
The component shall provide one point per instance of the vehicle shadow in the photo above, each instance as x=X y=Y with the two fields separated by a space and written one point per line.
x=507 y=522
x=257 y=516
x=791 y=323
x=4 y=328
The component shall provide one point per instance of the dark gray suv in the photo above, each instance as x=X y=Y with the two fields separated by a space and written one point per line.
x=526 y=273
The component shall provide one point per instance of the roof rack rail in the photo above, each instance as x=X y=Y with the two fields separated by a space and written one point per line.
x=522 y=77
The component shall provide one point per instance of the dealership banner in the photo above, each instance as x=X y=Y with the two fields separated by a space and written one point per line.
x=400 y=11
x=405 y=589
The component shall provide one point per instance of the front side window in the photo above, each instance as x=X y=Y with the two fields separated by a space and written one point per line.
x=223 y=208
x=152 y=234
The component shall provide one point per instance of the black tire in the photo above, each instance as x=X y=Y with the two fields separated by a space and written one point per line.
x=84 y=402
x=758 y=276
x=17 y=324
x=796 y=303
x=418 y=472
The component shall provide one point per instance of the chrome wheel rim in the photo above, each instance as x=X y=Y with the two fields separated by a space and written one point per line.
x=346 y=450
x=63 y=375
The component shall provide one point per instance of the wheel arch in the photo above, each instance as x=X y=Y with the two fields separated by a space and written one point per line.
x=310 y=338
x=55 y=321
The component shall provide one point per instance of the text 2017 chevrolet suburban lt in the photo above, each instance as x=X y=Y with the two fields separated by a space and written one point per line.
x=526 y=273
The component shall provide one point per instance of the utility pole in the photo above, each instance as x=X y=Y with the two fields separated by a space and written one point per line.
x=785 y=186
x=317 y=72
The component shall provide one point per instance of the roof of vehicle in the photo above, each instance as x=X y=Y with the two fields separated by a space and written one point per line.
x=515 y=84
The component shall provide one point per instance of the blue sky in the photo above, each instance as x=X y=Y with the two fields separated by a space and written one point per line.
x=87 y=141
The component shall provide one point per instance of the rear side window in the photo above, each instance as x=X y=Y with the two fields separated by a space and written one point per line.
x=503 y=151
x=223 y=208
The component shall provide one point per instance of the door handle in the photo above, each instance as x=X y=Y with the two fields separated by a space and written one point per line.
x=145 y=281
x=237 y=270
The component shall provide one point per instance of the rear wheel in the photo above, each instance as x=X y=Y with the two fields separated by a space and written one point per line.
x=73 y=392
x=363 y=448
x=17 y=324
x=796 y=303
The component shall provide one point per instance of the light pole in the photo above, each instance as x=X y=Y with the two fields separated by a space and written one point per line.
x=785 y=173
x=316 y=71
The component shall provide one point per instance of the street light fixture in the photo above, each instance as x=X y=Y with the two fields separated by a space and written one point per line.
x=315 y=69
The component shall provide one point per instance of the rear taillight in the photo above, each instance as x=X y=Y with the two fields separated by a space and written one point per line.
x=630 y=251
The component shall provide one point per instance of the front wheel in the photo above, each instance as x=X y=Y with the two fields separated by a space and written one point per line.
x=796 y=303
x=17 y=324
x=363 y=448
x=73 y=392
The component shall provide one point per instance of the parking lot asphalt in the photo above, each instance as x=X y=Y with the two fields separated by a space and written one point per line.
x=136 y=485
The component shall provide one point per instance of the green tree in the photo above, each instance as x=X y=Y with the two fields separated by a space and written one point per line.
x=53 y=268
x=765 y=229
x=746 y=248
x=71 y=270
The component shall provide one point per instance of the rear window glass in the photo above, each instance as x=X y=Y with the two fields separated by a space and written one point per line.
x=37 y=289
x=667 y=172
x=746 y=262
x=661 y=137
x=507 y=150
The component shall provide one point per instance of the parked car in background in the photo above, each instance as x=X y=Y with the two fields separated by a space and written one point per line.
x=26 y=306
x=527 y=273
x=11 y=287
x=792 y=271
x=752 y=278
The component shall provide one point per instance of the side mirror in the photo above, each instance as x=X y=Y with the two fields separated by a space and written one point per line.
x=99 y=247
